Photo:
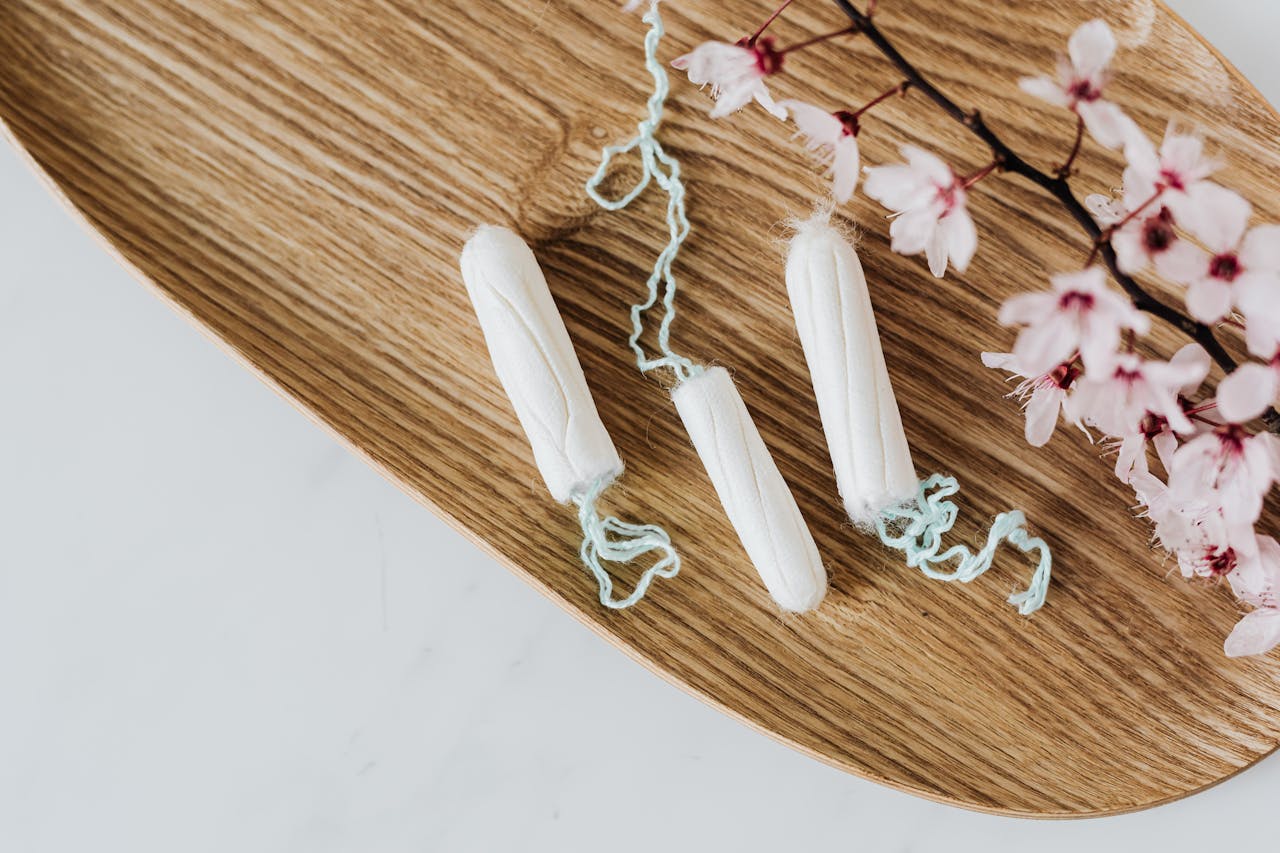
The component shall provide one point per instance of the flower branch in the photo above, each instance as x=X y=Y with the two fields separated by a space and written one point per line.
x=1056 y=185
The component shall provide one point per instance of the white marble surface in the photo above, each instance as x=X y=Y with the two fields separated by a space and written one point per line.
x=219 y=631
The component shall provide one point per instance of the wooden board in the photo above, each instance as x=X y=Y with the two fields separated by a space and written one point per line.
x=299 y=175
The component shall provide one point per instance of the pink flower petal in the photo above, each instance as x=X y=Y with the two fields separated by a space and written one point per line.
x=1246 y=393
x=844 y=168
x=1140 y=175
x=1001 y=361
x=1042 y=415
x=1209 y=299
x=1182 y=262
x=962 y=238
x=764 y=99
x=1046 y=89
x=1262 y=338
x=1260 y=250
x=1165 y=444
x=1106 y=123
x=1217 y=215
x=1255 y=634
x=819 y=127
x=1131 y=458
x=928 y=165
x=1257 y=574
x=912 y=231
x=936 y=251
x=1098 y=346
x=1026 y=308
x=893 y=186
x=1193 y=362
x=1131 y=250
x=1043 y=346
x=1091 y=47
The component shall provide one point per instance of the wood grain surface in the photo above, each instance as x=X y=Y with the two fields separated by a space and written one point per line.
x=298 y=176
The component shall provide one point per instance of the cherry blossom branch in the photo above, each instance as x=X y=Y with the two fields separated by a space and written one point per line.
x=1057 y=186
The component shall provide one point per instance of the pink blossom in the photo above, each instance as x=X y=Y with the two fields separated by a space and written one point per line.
x=1154 y=429
x=1177 y=173
x=1256 y=581
x=1043 y=395
x=1082 y=74
x=1230 y=467
x=1177 y=524
x=1239 y=266
x=1210 y=552
x=833 y=139
x=1118 y=398
x=735 y=73
x=1131 y=449
x=1152 y=238
x=929 y=205
x=1079 y=313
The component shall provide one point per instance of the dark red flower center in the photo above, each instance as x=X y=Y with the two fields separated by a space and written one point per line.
x=850 y=122
x=1221 y=562
x=948 y=196
x=1064 y=374
x=1225 y=266
x=1157 y=232
x=768 y=58
x=1083 y=90
x=1153 y=425
x=1232 y=437
x=1075 y=300
x=1127 y=375
x=1169 y=179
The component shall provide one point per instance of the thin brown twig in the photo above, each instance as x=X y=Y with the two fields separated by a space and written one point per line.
x=900 y=89
x=776 y=12
x=1064 y=171
x=817 y=39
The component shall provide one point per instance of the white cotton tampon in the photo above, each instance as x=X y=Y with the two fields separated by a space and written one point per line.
x=837 y=328
x=536 y=363
x=755 y=497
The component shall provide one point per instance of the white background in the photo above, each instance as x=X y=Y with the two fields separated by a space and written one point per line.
x=220 y=631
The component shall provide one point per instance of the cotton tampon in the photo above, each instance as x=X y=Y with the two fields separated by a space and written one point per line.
x=757 y=500
x=536 y=363
x=538 y=368
x=837 y=328
x=860 y=417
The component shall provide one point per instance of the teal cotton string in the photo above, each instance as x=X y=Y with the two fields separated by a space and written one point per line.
x=917 y=530
x=612 y=540
x=663 y=169
x=608 y=539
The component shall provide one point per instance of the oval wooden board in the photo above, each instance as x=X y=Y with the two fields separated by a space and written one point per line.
x=298 y=177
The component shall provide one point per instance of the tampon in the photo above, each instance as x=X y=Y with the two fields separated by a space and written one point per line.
x=837 y=328
x=536 y=363
x=757 y=500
